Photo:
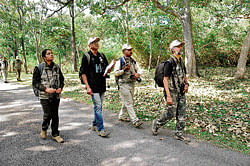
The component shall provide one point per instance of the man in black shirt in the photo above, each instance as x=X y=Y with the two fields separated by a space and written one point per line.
x=49 y=80
x=175 y=86
x=92 y=70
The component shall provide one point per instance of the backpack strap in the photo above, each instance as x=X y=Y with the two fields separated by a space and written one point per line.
x=122 y=62
x=88 y=57
x=173 y=63
x=40 y=67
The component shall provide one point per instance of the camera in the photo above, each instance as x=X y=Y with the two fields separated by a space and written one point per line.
x=132 y=77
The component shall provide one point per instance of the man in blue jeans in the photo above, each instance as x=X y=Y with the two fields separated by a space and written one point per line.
x=92 y=70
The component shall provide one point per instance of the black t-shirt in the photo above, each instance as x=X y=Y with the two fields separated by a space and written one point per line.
x=94 y=71
x=168 y=68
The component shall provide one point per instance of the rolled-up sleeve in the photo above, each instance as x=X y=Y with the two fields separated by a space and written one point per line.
x=138 y=69
x=117 y=70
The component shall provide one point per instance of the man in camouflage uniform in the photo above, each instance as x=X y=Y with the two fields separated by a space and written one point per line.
x=18 y=66
x=175 y=86
x=127 y=71
x=4 y=69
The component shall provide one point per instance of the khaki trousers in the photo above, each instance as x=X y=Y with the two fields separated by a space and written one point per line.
x=127 y=93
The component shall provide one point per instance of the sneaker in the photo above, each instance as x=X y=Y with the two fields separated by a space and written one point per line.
x=103 y=133
x=43 y=134
x=155 y=127
x=58 y=139
x=137 y=124
x=94 y=128
x=125 y=119
x=182 y=138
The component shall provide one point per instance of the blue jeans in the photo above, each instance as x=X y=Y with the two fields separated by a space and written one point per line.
x=97 y=99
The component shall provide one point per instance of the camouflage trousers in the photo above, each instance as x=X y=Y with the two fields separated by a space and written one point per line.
x=178 y=110
x=127 y=94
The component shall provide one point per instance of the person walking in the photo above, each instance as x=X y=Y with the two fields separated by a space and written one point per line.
x=4 y=69
x=49 y=80
x=18 y=67
x=175 y=86
x=127 y=72
x=92 y=72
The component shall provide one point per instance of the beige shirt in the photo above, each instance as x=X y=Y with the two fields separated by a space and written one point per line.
x=134 y=68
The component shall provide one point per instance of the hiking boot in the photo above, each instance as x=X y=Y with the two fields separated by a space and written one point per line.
x=43 y=134
x=125 y=119
x=58 y=139
x=103 y=133
x=94 y=128
x=137 y=124
x=155 y=127
x=182 y=138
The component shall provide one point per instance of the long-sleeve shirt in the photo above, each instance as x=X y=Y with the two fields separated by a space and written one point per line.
x=36 y=80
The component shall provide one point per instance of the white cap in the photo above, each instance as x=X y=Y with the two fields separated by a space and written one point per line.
x=175 y=43
x=17 y=57
x=93 y=39
x=126 y=47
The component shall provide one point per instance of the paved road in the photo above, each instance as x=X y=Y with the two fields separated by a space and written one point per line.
x=20 y=144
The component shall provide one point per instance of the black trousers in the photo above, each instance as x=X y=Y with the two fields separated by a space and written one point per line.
x=50 y=110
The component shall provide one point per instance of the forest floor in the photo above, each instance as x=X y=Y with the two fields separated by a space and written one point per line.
x=217 y=104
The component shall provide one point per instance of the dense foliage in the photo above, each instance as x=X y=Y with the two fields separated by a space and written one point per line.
x=218 y=34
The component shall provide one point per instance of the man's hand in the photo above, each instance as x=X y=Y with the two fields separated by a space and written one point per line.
x=126 y=67
x=137 y=75
x=186 y=88
x=50 y=90
x=89 y=91
x=59 y=91
x=169 y=100
x=109 y=70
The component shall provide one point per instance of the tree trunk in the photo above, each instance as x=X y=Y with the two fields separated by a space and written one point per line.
x=190 y=61
x=59 y=56
x=24 y=57
x=150 y=44
x=241 y=67
x=159 y=56
x=127 y=25
x=38 y=59
x=73 y=40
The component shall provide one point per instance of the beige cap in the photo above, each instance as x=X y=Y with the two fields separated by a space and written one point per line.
x=93 y=39
x=126 y=47
x=175 y=43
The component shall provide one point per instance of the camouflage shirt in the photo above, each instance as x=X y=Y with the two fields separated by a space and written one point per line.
x=175 y=70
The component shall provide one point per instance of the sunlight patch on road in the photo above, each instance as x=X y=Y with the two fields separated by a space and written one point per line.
x=71 y=126
x=41 y=148
x=8 y=116
x=10 y=86
x=11 y=133
x=127 y=144
x=114 y=161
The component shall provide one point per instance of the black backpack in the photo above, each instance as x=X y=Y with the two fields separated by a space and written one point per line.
x=159 y=72
x=35 y=90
